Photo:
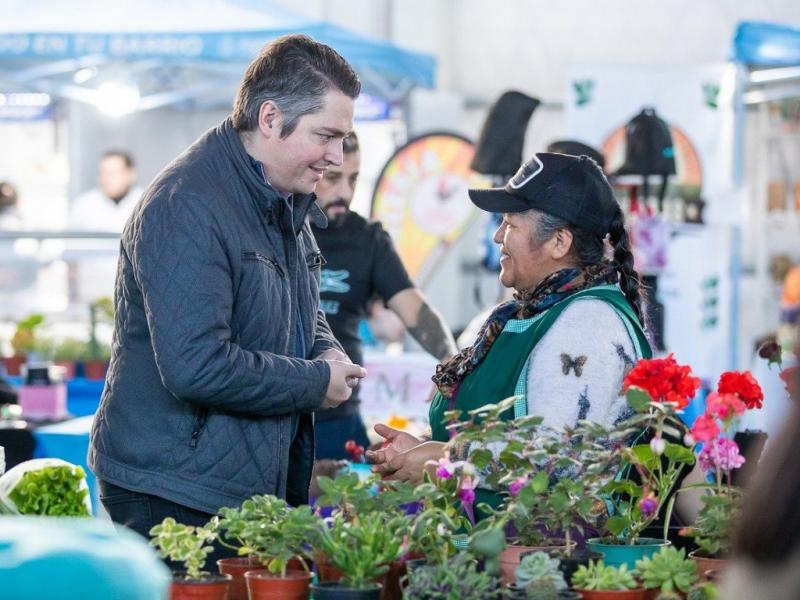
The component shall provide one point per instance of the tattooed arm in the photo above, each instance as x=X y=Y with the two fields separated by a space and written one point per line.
x=423 y=322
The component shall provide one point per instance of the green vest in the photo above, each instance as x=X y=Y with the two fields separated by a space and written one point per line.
x=503 y=372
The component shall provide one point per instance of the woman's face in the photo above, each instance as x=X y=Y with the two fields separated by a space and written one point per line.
x=524 y=263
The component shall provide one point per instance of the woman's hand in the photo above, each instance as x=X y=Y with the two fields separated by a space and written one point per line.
x=396 y=442
x=409 y=465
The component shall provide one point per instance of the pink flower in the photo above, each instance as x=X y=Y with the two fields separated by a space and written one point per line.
x=515 y=486
x=705 y=428
x=720 y=453
x=658 y=445
x=648 y=505
x=466 y=495
x=725 y=406
x=445 y=469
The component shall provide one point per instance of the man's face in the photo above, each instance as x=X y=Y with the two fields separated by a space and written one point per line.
x=114 y=177
x=523 y=264
x=297 y=163
x=335 y=191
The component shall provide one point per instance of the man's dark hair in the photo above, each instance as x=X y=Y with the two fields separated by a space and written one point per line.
x=294 y=72
x=350 y=143
x=126 y=158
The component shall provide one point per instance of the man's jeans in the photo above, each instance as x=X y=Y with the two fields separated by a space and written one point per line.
x=140 y=512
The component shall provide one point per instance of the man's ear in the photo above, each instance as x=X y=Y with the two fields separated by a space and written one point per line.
x=270 y=119
x=561 y=243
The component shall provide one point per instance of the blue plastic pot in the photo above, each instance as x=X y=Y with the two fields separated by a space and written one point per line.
x=624 y=554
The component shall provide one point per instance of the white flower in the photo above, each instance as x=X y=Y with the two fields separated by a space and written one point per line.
x=658 y=445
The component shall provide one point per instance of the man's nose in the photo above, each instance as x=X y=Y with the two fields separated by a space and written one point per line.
x=335 y=154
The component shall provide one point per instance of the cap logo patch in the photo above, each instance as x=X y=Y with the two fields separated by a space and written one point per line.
x=527 y=172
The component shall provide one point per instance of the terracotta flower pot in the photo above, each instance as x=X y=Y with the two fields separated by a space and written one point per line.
x=14 y=364
x=214 y=587
x=512 y=555
x=263 y=585
x=707 y=563
x=637 y=594
x=325 y=570
x=237 y=567
x=69 y=367
x=95 y=369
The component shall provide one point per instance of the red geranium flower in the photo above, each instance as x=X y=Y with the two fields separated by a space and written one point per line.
x=743 y=385
x=664 y=379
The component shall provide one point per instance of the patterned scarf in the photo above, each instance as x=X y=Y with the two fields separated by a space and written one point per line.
x=553 y=288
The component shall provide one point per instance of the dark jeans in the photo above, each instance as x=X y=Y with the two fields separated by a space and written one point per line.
x=331 y=435
x=140 y=512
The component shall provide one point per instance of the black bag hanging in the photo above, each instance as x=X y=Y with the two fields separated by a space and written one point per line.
x=649 y=150
x=499 y=147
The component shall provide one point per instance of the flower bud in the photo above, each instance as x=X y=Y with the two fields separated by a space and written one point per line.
x=658 y=445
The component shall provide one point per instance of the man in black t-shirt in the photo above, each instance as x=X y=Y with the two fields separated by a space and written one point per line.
x=362 y=263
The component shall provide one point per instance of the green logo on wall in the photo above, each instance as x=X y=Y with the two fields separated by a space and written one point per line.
x=583 y=91
x=711 y=95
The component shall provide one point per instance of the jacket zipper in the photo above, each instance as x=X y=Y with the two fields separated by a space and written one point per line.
x=200 y=422
x=265 y=259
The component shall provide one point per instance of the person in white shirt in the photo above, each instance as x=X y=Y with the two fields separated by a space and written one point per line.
x=103 y=209
x=107 y=207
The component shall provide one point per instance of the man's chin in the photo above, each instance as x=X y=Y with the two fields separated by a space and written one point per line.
x=336 y=219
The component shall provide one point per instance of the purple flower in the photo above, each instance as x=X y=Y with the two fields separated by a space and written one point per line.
x=515 y=486
x=445 y=469
x=720 y=453
x=466 y=495
x=648 y=505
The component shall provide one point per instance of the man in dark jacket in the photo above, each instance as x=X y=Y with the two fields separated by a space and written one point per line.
x=220 y=352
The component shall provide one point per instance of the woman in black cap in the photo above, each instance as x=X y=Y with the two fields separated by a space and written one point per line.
x=574 y=328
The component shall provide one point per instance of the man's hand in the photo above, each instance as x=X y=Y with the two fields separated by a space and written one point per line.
x=409 y=465
x=396 y=442
x=344 y=377
x=334 y=354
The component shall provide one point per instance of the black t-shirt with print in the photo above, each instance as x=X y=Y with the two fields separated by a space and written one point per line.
x=361 y=264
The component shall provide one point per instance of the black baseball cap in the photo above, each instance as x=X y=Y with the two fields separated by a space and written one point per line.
x=573 y=188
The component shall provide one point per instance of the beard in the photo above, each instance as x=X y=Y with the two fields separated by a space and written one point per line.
x=337 y=220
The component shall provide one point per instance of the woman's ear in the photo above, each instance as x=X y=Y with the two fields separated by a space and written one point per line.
x=561 y=244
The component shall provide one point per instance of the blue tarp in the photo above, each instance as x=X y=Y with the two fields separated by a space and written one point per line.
x=183 y=30
x=766 y=44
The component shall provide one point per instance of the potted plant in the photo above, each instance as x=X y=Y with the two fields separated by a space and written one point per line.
x=190 y=546
x=552 y=479
x=719 y=457
x=267 y=532
x=456 y=579
x=656 y=390
x=67 y=353
x=22 y=342
x=598 y=581
x=539 y=577
x=362 y=550
x=95 y=363
x=668 y=571
x=350 y=495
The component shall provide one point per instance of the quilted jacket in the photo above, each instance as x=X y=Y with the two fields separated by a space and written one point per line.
x=205 y=403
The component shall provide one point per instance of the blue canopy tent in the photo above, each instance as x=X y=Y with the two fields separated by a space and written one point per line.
x=175 y=52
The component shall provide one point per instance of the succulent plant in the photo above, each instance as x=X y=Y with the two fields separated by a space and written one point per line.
x=458 y=579
x=667 y=570
x=702 y=591
x=599 y=576
x=539 y=568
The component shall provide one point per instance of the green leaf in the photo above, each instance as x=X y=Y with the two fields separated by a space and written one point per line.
x=540 y=482
x=679 y=453
x=617 y=524
x=480 y=457
x=638 y=399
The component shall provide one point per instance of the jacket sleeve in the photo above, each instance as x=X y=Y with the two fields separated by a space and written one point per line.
x=324 y=340
x=182 y=269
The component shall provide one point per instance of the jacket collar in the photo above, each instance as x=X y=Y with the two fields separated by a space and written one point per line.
x=266 y=197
